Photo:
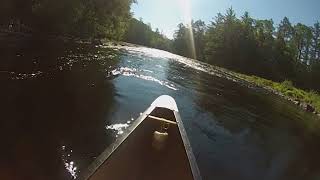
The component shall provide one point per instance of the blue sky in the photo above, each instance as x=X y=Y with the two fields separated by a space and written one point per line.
x=167 y=14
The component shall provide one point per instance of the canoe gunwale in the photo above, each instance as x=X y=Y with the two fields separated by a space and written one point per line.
x=192 y=160
x=107 y=153
x=113 y=147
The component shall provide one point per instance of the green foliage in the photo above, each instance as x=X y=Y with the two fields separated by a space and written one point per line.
x=313 y=98
x=287 y=89
x=84 y=18
x=181 y=41
x=257 y=47
x=199 y=28
x=189 y=40
x=230 y=42
x=287 y=84
x=140 y=33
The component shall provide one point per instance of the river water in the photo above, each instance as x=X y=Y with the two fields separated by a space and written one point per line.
x=63 y=104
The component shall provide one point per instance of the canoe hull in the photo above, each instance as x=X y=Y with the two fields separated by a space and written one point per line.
x=134 y=157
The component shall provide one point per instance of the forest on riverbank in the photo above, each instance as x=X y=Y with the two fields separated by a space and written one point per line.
x=69 y=18
x=243 y=44
x=250 y=46
x=256 y=47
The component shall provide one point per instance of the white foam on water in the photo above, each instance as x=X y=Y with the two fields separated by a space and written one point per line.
x=194 y=64
x=132 y=72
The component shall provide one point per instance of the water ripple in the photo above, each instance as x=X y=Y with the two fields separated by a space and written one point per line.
x=132 y=72
x=194 y=64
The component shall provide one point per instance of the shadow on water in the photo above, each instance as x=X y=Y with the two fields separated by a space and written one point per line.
x=243 y=133
x=267 y=134
x=55 y=101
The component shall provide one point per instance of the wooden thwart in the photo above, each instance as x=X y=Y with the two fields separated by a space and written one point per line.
x=162 y=119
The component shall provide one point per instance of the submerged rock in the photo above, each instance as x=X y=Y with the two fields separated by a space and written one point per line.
x=309 y=108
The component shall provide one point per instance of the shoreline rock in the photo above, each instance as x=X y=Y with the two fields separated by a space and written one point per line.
x=303 y=105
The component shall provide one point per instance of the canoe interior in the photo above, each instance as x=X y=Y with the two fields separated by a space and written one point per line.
x=136 y=159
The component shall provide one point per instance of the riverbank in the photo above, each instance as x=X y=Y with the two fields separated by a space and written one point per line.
x=22 y=36
x=308 y=101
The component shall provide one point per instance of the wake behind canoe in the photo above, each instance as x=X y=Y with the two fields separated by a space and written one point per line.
x=155 y=147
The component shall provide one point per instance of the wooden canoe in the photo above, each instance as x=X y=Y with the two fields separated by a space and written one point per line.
x=136 y=154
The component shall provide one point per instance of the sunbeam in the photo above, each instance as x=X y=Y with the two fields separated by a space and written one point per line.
x=185 y=6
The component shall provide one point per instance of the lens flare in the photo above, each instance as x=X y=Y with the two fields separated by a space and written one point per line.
x=185 y=6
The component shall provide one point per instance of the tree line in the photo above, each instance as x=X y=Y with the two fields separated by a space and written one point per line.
x=140 y=33
x=110 y=19
x=255 y=47
x=247 y=45
x=82 y=18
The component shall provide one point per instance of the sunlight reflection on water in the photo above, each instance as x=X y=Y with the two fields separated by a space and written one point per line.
x=197 y=65
x=68 y=163
x=120 y=127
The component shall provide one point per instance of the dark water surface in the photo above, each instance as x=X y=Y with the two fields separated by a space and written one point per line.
x=63 y=104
